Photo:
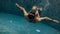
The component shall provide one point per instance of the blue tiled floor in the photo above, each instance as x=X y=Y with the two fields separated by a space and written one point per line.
x=13 y=24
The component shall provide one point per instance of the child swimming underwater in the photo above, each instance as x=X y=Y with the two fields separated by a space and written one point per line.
x=34 y=16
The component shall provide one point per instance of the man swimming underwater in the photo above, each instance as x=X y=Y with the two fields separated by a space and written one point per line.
x=34 y=16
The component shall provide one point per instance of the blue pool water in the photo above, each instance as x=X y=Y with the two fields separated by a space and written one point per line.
x=13 y=22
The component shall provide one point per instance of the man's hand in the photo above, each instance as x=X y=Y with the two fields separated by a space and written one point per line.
x=20 y=7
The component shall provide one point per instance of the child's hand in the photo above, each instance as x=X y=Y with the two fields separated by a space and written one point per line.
x=40 y=8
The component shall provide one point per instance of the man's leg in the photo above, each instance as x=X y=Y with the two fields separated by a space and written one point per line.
x=46 y=18
x=24 y=11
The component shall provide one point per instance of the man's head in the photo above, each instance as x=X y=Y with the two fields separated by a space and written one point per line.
x=34 y=7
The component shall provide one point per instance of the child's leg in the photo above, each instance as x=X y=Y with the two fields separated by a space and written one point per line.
x=37 y=14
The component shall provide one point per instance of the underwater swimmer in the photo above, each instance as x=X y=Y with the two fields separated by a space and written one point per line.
x=34 y=16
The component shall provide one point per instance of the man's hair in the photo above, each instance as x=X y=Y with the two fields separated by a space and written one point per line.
x=33 y=13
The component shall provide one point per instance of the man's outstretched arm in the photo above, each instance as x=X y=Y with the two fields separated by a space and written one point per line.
x=47 y=18
x=23 y=9
x=20 y=7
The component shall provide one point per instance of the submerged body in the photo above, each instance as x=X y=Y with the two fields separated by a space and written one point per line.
x=35 y=16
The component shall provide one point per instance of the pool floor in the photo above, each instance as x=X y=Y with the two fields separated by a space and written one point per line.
x=14 y=24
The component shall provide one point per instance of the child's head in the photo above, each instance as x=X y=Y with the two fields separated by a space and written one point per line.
x=34 y=7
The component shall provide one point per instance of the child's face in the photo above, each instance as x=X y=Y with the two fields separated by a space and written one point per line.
x=34 y=7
